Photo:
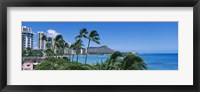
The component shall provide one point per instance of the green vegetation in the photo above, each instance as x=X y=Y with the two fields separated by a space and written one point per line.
x=116 y=61
x=119 y=61
x=62 y=64
x=28 y=52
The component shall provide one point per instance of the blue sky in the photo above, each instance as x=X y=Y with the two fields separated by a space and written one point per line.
x=143 y=37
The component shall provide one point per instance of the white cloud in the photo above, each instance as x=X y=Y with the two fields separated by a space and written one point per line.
x=52 y=33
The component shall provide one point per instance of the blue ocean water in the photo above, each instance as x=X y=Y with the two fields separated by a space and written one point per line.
x=161 y=61
x=164 y=61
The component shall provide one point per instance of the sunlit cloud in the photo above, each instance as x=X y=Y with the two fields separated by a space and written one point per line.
x=52 y=33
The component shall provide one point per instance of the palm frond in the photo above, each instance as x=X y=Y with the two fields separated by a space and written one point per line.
x=58 y=37
x=93 y=34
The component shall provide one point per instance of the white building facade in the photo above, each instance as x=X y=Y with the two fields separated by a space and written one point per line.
x=27 y=37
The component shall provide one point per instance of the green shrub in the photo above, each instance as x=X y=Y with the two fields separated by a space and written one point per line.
x=119 y=61
x=47 y=65
x=52 y=63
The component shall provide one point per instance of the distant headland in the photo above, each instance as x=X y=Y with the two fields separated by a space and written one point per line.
x=100 y=50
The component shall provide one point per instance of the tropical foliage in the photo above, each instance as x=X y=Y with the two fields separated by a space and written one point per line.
x=119 y=61
x=63 y=64
x=28 y=52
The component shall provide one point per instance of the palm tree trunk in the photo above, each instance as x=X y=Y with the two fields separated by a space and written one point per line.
x=72 y=57
x=87 y=52
x=77 y=57
x=69 y=56
x=54 y=46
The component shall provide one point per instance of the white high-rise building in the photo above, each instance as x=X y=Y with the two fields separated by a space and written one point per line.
x=27 y=37
x=41 y=42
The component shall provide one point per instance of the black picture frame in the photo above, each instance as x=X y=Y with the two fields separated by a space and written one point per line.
x=98 y=3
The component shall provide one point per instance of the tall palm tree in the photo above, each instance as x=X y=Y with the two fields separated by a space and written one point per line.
x=82 y=34
x=48 y=45
x=48 y=41
x=61 y=44
x=94 y=37
x=66 y=46
x=58 y=40
x=53 y=44
x=78 y=45
x=72 y=47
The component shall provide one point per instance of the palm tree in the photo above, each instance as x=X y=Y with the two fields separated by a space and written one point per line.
x=57 y=41
x=44 y=37
x=53 y=44
x=133 y=62
x=113 y=62
x=48 y=45
x=83 y=33
x=78 y=45
x=66 y=46
x=94 y=37
x=72 y=47
x=61 y=44
x=48 y=41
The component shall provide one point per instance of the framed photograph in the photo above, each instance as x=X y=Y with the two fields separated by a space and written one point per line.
x=121 y=45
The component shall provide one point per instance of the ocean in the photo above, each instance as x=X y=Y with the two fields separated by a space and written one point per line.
x=166 y=61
